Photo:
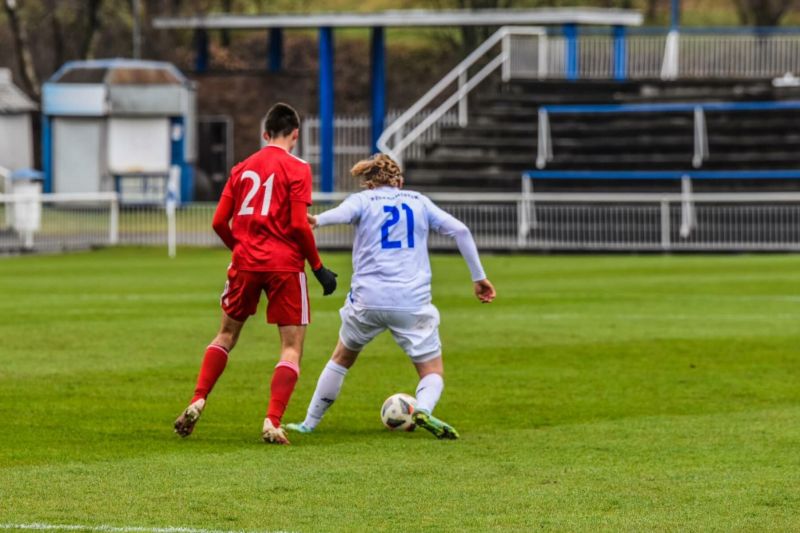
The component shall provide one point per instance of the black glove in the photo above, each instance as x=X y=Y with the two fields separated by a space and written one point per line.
x=326 y=278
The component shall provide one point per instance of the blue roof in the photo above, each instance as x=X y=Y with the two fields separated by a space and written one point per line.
x=27 y=174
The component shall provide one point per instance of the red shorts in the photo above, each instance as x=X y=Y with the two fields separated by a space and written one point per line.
x=287 y=296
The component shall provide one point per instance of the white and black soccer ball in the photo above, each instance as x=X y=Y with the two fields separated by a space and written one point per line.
x=397 y=410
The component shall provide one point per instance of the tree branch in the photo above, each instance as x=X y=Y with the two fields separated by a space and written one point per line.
x=23 y=50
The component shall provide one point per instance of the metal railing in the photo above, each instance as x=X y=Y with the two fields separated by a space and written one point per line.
x=58 y=221
x=655 y=222
x=503 y=222
x=544 y=150
x=353 y=141
x=400 y=134
x=754 y=55
x=687 y=220
x=651 y=53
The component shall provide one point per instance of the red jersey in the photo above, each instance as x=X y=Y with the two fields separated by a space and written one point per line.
x=262 y=188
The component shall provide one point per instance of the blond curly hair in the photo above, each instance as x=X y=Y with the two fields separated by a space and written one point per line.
x=378 y=170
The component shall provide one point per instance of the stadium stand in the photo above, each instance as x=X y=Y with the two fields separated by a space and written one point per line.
x=500 y=141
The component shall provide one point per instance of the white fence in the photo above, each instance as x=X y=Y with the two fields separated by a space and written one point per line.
x=56 y=222
x=353 y=141
x=650 y=56
x=655 y=222
x=502 y=222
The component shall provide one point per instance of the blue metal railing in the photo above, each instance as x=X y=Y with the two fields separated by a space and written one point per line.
x=661 y=174
x=701 y=150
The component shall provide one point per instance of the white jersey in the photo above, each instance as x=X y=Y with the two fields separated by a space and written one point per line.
x=391 y=269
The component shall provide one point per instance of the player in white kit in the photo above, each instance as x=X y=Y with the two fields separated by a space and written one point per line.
x=391 y=286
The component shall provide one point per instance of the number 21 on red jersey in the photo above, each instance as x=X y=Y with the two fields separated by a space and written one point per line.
x=248 y=209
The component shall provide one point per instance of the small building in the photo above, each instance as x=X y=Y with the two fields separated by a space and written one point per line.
x=119 y=124
x=16 y=130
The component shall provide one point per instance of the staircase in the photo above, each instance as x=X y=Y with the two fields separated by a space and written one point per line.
x=500 y=140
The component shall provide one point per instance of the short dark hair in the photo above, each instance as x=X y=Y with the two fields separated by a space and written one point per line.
x=281 y=120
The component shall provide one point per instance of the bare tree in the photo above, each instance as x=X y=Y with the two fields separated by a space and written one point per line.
x=92 y=26
x=23 y=49
x=763 y=12
x=58 y=34
x=225 y=35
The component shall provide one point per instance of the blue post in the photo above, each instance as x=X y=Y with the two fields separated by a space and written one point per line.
x=275 y=50
x=201 y=50
x=47 y=153
x=378 y=84
x=326 y=108
x=675 y=14
x=571 y=63
x=177 y=153
x=620 y=54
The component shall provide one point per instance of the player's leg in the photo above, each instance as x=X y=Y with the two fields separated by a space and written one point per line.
x=329 y=385
x=431 y=383
x=284 y=380
x=239 y=300
x=214 y=362
x=417 y=333
x=429 y=390
x=359 y=327
x=288 y=308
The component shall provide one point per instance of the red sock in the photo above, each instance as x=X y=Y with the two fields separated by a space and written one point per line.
x=283 y=381
x=213 y=364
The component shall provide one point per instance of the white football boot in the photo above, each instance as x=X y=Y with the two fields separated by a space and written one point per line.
x=184 y=425
x=273 y=435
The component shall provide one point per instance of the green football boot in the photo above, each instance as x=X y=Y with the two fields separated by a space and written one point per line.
x=439 y=428
x=299 y=427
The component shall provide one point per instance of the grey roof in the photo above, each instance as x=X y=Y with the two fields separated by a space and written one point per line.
x=118 y=71
x=416 y=18
x=12 y=99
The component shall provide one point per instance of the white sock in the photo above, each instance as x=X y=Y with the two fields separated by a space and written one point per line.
x=328 y=387
x=428 y=392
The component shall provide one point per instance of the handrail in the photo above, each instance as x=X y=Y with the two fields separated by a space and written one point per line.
x=544 y=152
x=661 y=174
x=672 y=107
x=457 y=74
x=636 y=31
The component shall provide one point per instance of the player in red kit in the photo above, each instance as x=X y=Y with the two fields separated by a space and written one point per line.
x=262 y=218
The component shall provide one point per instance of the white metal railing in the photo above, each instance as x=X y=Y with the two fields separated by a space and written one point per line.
x=670 y=55
x=397 y=137
x=500 y=221
x=666 y=222
x=732 y=56
x=58 y=221
x=353 y=141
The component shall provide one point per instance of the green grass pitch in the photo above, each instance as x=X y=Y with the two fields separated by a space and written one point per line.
x=597 y=393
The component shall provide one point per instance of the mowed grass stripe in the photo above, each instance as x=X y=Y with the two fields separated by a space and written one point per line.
x=597 y=393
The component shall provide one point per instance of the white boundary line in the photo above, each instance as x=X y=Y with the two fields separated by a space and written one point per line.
x=37 y=526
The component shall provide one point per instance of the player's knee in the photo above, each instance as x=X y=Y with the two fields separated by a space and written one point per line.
x=434 y=366
x=344 y=358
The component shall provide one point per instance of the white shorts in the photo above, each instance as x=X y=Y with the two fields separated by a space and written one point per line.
x=416 y=332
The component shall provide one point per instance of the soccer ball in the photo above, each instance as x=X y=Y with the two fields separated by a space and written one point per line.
x=397 y=410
